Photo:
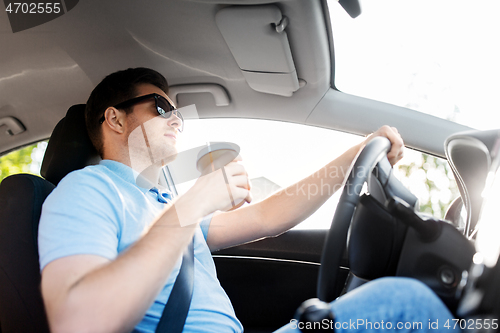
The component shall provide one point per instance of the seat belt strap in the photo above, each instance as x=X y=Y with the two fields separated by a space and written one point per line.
x=176 y=310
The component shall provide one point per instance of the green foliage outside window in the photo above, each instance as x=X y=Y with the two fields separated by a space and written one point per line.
x=431 y=180
x=25 y=160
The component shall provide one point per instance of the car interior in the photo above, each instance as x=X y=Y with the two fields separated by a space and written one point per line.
x=245 y=59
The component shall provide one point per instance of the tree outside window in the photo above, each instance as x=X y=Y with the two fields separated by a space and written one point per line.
x=25 y=160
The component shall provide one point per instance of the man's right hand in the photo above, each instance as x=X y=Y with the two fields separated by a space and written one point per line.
x=214 y=190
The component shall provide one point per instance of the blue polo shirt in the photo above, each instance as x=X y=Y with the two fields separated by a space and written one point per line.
x=100 y=210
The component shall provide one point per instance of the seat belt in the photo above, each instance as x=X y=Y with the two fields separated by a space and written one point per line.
x=176 y=310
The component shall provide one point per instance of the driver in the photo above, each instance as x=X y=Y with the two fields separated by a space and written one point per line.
x=109 y=248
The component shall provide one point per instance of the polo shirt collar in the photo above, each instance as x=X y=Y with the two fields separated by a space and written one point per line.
x=127 y=173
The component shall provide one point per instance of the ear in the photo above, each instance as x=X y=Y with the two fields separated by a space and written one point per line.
x=115 y=119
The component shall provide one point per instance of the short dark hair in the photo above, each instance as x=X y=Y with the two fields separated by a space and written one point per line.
x=112 y=90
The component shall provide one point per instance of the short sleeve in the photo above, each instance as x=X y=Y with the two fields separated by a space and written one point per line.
x=205 y=224
x=81 y=216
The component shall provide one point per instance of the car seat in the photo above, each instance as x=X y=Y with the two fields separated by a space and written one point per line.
x=21 y=199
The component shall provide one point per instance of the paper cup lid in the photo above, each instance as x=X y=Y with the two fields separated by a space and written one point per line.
x=213 y=146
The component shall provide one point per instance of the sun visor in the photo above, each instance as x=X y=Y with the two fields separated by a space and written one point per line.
x=257 y=39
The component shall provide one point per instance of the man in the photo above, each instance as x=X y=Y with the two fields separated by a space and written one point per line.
x=110 y=246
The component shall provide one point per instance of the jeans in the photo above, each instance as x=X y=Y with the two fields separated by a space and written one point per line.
x=387 y=305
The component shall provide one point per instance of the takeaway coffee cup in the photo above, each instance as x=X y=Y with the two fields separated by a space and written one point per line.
x=215 y=156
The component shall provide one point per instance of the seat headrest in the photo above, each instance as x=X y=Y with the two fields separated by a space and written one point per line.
x=69 y=147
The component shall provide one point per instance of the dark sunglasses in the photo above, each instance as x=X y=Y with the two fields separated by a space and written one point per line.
x=164 y=106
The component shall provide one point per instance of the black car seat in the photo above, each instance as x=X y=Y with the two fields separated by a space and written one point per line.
x=21 y=199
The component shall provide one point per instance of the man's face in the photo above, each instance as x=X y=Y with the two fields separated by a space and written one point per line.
x=151 y=138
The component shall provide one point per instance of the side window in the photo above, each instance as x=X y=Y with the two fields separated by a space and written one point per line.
x=25 y=160
x=430 y=178
x=278 y=154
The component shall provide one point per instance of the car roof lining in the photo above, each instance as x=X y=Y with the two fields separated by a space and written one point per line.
x=58 y=63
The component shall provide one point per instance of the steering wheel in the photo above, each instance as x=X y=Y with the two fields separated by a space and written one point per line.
x=336 y=240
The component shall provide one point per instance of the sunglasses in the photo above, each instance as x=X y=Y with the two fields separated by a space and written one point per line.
x=164 y=106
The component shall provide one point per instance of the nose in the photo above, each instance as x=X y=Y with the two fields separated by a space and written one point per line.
x=175 y=121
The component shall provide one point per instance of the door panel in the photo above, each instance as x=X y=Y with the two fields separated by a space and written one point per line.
x=269 y=279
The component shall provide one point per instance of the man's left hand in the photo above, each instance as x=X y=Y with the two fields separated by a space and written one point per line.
x=397 y=144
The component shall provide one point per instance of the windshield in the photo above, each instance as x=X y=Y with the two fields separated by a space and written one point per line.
x=438 y=57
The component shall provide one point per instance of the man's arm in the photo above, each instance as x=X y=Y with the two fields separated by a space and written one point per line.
x=88 y=293
x=286 y=208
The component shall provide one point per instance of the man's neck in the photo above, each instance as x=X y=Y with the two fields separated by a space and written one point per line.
x=149 y=176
